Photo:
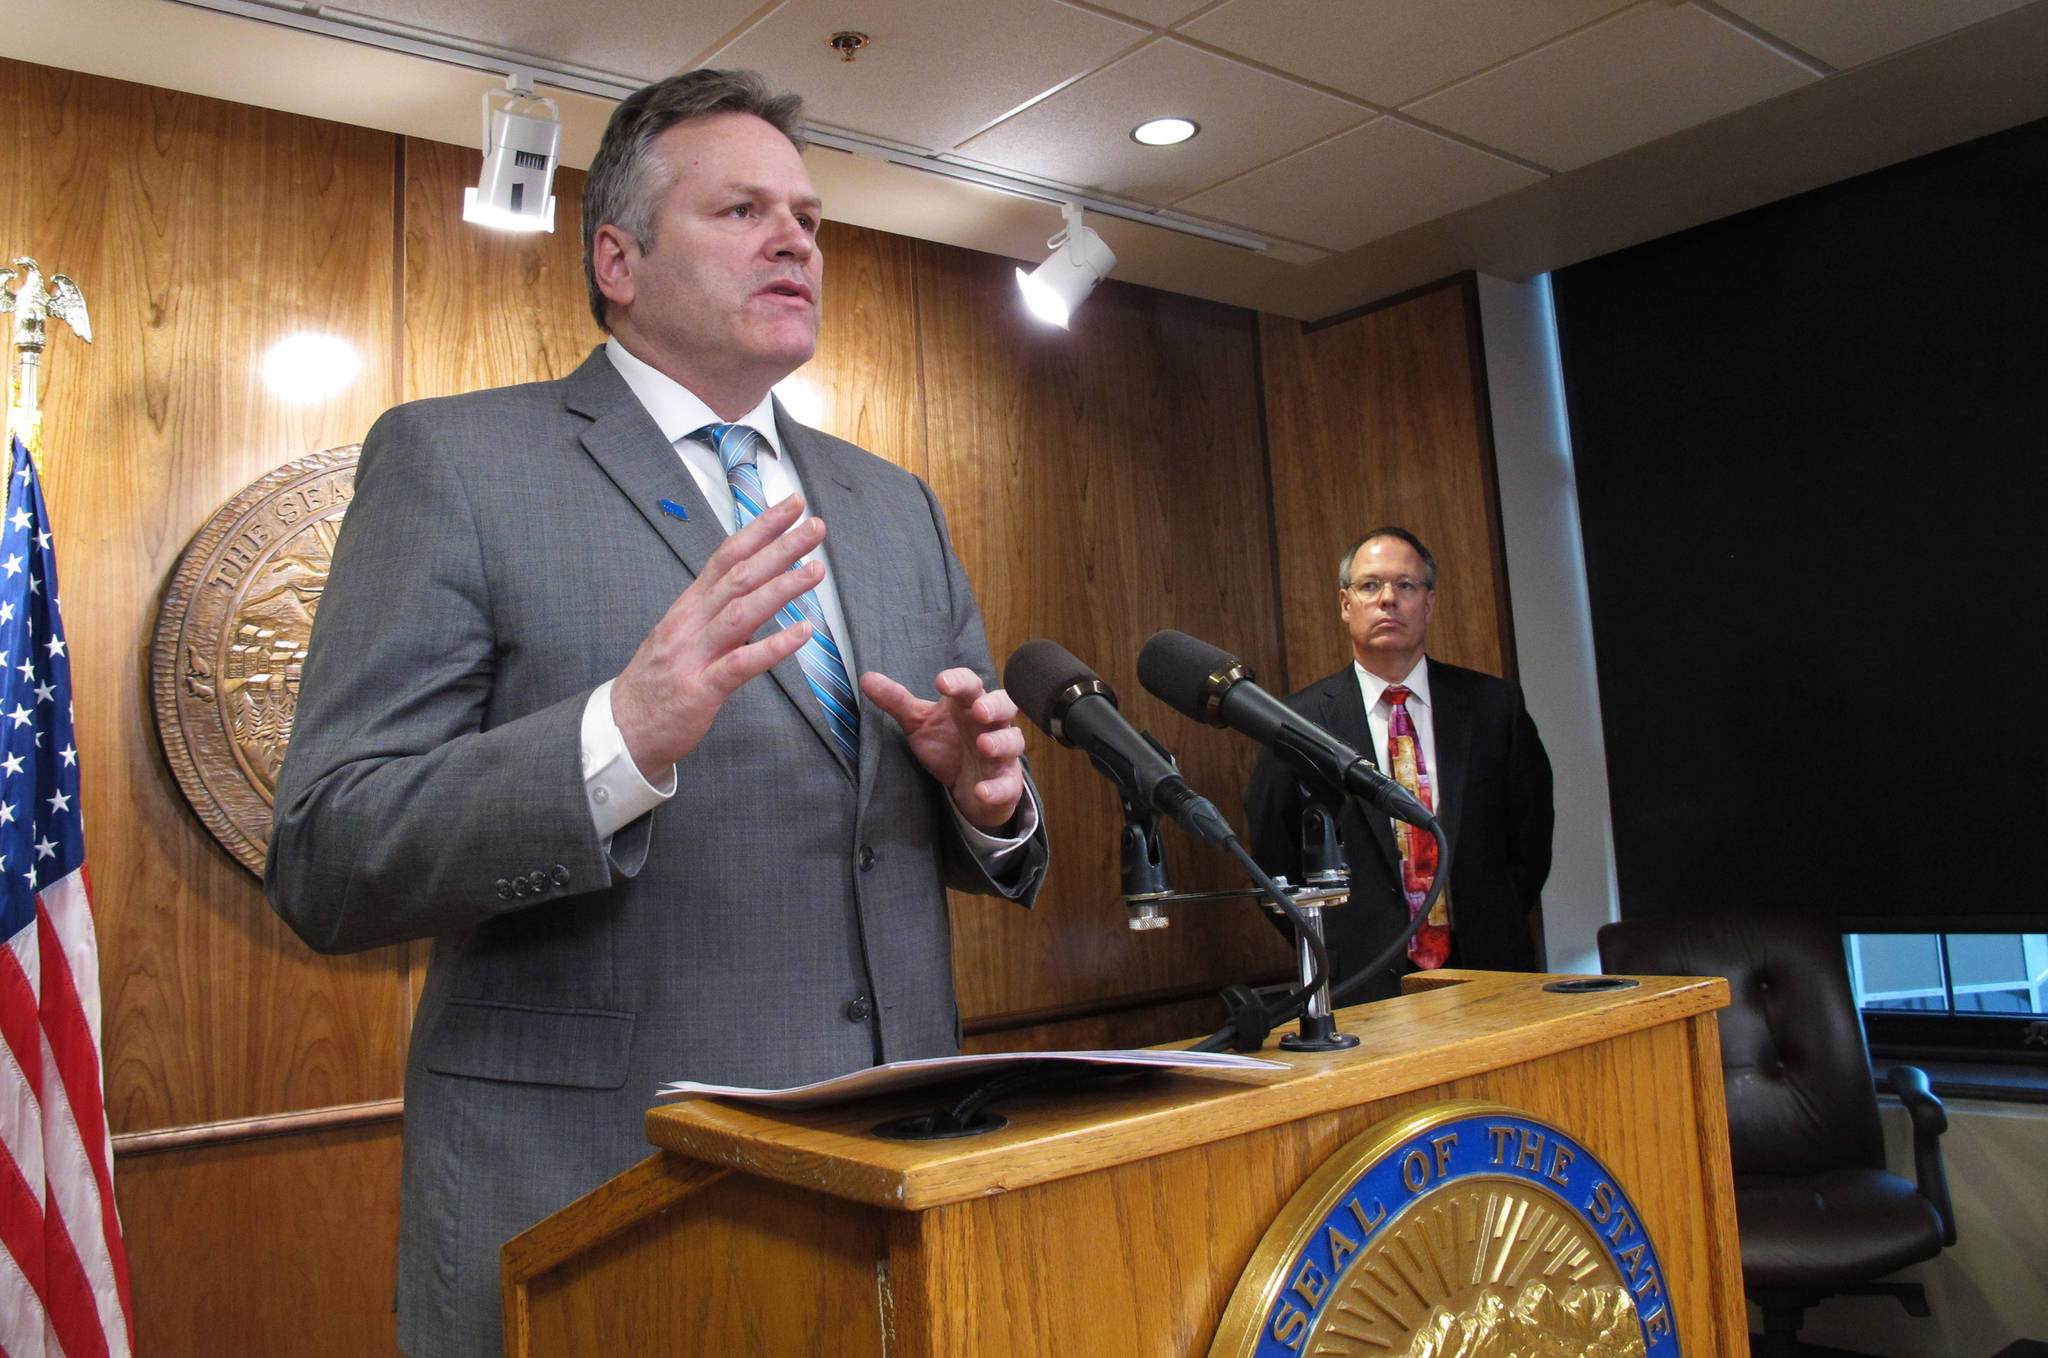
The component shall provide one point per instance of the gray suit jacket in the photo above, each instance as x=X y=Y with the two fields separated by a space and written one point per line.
x=505 y=554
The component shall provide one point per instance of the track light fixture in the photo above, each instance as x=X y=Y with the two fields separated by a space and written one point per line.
x=515 y=191
x=332 y=22
x=1079 y=261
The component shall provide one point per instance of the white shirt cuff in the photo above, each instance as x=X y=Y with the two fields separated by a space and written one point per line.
x=994 y=850
x=613 y=786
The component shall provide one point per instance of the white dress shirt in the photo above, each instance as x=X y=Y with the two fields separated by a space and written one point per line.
x=616 y=790
x=1380 y=713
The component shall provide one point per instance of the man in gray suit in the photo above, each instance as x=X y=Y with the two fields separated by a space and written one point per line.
x=552 y=719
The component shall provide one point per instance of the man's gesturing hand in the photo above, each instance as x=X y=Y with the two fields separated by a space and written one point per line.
x=665 y=698
x=968 y=740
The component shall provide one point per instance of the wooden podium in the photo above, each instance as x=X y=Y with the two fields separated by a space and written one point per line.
x=1115 y=1219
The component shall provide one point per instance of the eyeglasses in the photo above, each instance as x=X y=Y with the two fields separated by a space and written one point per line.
x=1406 y=590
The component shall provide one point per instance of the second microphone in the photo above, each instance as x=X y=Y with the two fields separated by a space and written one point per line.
x=1070 y=702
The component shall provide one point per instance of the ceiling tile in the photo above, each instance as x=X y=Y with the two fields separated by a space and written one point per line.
x=1368 y=183
x=1847 y=33
x=1082 y=135
x=1389 y=51
x=932 y=74
x=1641 y=75
x=1158 y=13
x=646 y=42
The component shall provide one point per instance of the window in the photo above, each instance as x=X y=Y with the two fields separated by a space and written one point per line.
x=1982 y=994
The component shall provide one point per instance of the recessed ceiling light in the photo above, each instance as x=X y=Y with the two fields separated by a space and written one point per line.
x=1164 y=131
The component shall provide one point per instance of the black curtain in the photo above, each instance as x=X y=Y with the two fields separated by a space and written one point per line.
x=1812 y=472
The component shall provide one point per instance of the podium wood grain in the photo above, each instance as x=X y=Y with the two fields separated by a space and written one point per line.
x=1115 y=1219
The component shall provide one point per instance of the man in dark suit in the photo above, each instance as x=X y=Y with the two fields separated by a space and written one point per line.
x=1469 y=737
x=579 y=706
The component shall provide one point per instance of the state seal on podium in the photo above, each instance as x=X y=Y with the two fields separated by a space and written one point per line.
x=1467 y=1229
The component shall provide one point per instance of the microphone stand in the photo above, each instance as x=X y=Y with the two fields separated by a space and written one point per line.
x=1323 y=871
x=1143 y=867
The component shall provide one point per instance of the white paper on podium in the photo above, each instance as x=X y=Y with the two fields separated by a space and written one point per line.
x=936 y=1070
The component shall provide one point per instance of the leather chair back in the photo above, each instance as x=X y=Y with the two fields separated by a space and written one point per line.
x=1800 y=1096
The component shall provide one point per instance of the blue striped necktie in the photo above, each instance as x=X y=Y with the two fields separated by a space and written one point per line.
x=737 y=446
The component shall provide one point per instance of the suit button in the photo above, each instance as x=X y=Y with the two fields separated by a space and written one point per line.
x=860 y=1009
x=538 y=880
x=560 y=875
x=867 y=857
x=519 y=886
x=504 y=890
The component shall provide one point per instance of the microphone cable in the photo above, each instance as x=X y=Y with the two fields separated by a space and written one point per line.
x=1387 y=955
x=1239 y=1000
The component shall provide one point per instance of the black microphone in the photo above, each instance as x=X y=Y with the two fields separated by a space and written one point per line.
x=1214 y=686
x=1069 y=702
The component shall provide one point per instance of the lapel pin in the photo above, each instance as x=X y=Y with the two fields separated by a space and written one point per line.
x=675 y=511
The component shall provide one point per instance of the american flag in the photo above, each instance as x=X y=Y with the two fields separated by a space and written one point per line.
x=63 y=1273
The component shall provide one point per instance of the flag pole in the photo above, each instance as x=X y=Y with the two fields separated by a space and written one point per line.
x=33 y=305
x=64 y=1287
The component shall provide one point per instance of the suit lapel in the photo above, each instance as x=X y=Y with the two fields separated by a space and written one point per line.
x=624 y=441
x=1452 y=717
x=1344 y=716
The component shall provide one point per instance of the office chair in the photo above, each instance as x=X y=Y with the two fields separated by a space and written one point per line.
x=1816 y=1210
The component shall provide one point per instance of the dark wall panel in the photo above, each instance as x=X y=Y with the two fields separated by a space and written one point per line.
x=1809 y=466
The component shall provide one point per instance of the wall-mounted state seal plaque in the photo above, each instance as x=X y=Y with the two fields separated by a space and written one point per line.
x=1466 y=1229
x=230 y=638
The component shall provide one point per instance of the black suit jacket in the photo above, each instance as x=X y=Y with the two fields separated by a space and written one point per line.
x=1495 y=781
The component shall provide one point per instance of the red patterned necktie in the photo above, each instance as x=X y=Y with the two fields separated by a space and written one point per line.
x=1431 y=946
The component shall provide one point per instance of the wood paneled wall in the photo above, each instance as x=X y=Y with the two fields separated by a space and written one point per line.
x=1382 y=418
x=1101 y=483
x=201 y=233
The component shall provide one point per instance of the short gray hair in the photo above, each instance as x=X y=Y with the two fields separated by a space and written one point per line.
x=626 y=181
x=1388 y=531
